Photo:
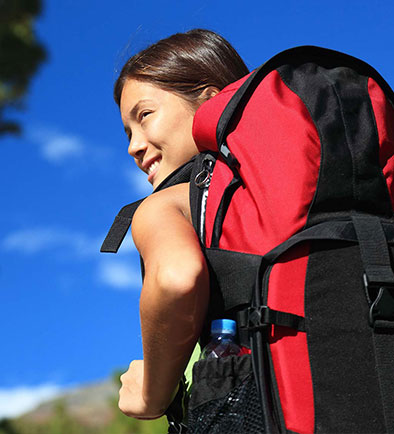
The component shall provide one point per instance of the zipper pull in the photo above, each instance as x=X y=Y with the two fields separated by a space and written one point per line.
x=203 y=178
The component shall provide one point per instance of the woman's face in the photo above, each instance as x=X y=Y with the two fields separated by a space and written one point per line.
x=158 y=124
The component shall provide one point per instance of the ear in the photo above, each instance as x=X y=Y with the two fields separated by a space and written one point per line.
x=208 y=93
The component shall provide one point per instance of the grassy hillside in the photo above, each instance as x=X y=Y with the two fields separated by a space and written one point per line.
x=87 y=410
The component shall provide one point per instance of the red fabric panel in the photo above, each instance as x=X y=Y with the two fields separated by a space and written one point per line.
x=208 y=114
x=278 y=148
x=289 y=348
x=384 y=115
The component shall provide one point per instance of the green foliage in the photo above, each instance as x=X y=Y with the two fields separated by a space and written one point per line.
x=122 y=424
x=6 y=427
x=20 y=54
x=62 y=422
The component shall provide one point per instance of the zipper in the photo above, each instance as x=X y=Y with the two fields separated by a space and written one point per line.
x=202 y=181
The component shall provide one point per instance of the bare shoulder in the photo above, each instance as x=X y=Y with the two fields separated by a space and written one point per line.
x=175 y=199
x=163 y=216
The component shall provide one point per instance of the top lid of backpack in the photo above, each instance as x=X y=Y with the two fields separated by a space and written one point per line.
x=214 y=116
x=313 y=132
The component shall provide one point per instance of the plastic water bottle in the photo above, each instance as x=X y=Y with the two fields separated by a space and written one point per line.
x=222 y=342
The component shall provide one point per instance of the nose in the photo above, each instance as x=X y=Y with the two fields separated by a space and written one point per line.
x=137 y=147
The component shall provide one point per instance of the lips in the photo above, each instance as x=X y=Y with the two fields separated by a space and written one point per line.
x=151 y=168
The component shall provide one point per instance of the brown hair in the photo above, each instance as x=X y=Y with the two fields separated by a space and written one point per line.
x=186 y=64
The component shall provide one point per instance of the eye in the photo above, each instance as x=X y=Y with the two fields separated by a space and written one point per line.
x=144 y=114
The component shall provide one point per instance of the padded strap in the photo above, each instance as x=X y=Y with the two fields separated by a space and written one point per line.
x=199 y=183
x=383 y=344
x=178 y=176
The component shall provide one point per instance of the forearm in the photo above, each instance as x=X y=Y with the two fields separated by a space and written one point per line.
x=172 y=314
x=174 y=295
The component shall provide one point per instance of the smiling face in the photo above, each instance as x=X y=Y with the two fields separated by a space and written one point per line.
x=158 y=124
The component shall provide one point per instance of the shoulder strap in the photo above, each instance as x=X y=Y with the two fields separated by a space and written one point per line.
x=119 y=228
x=123 y=220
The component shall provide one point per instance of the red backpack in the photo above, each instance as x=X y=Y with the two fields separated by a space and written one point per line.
x=292 y=197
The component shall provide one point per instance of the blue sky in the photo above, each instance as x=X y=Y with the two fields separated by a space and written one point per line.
x=68 y=314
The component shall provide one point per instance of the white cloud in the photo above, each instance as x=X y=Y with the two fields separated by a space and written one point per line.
x=19 y=400
x=36 y=240
x=56 y=146
x=61 y=147
x=119 y=272
x=138 y=181
x=119 y=275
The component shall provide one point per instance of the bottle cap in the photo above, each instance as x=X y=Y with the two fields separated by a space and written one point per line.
x=224 y=326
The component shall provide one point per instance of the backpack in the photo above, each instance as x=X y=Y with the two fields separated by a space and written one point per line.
x=294 y=207
x=292 y=198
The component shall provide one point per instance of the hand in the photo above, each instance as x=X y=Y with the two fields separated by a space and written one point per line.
x=131 y=400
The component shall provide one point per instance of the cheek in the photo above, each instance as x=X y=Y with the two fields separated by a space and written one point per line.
x=183 y=134
x=172 y=133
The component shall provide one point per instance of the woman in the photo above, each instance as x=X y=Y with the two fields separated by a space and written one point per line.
x=158 y=92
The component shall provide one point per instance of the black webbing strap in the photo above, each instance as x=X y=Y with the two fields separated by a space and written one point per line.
x=119 y=228
x=228 y=193
x=254 y=318
x=374 y=251
x=379 y=282
x=378 y=273
x=123 y=220
x=260 y=355
x=235 y=271
x=341 y=230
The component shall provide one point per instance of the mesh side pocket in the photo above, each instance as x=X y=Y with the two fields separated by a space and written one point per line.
x=224 y=398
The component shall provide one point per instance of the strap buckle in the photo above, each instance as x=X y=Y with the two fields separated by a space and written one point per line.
x=258 y=318
x=380 y=296
x=254 y=318
x=263 y=317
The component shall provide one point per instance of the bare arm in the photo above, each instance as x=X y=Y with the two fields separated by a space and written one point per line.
x=173 y=300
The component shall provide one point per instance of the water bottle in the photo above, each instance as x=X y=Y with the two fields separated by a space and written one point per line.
x=222 y=342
